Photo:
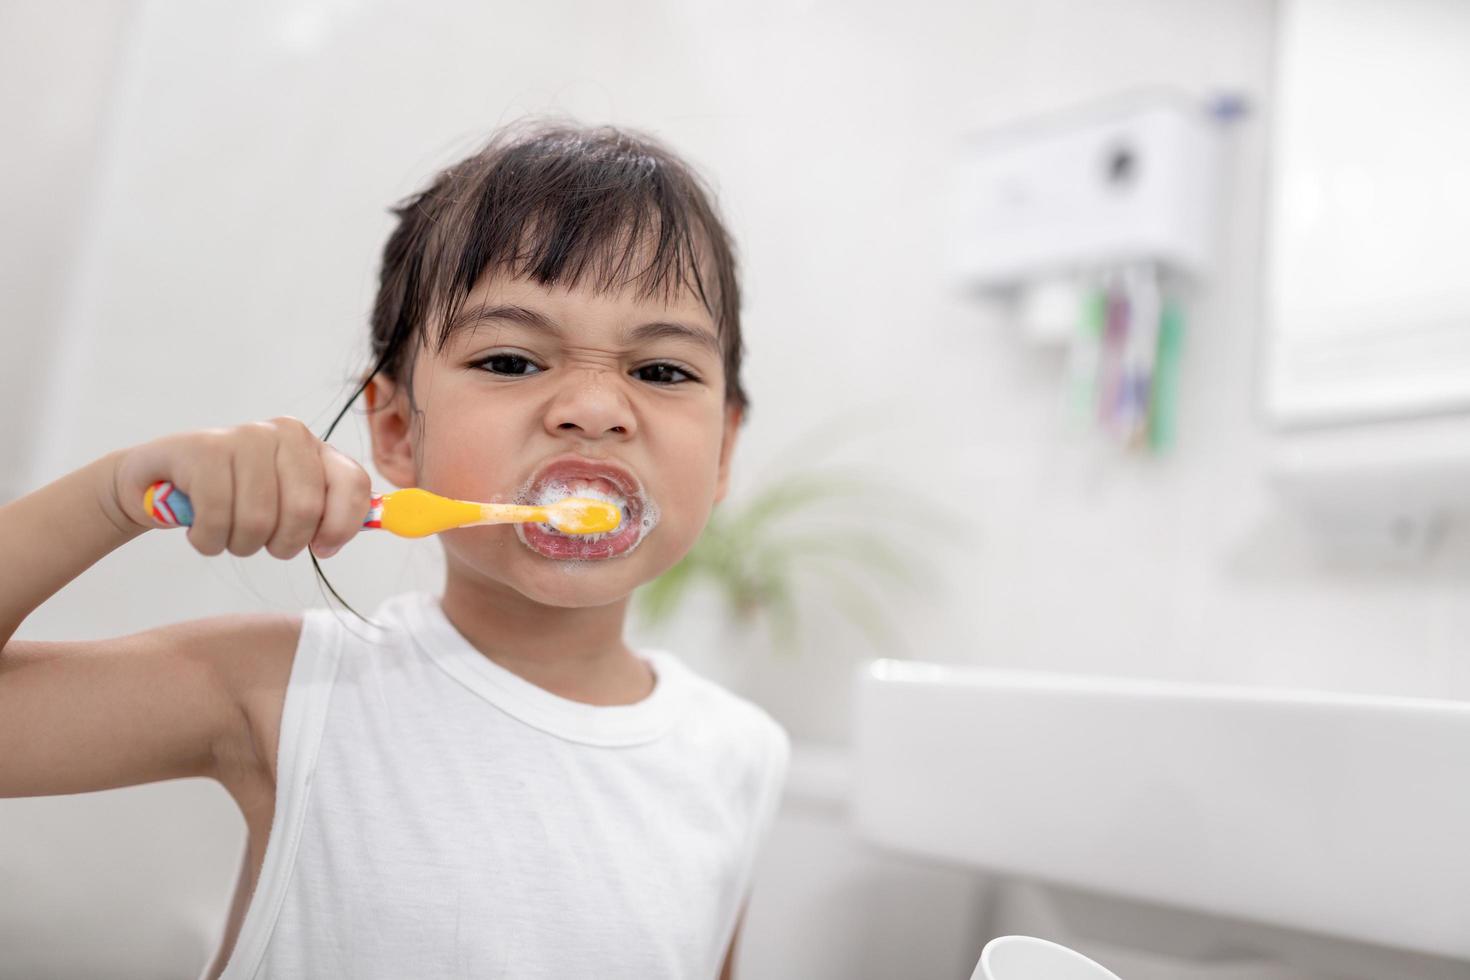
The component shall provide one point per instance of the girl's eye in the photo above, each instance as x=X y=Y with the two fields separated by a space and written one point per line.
x=511 y=364
x=514 y=365
x=662 y=370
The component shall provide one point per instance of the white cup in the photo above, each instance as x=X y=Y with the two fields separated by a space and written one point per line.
x=1029 y=958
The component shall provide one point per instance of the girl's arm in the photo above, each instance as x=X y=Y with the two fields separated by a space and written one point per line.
x=190 y=699
x=93 y=715
x=181 y=700
x=51 y=536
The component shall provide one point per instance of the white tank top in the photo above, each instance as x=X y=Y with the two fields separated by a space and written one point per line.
x=439 y=816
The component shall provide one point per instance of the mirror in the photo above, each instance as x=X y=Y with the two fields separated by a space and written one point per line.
x=1368 y=234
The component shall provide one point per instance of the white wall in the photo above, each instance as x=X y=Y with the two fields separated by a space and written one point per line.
x=228 y=262
x=58 y=62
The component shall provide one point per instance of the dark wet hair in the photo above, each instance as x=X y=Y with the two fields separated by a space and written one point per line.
x=557 y=203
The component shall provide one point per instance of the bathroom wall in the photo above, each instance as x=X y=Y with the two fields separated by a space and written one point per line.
x=54 y=78
x=223 y=261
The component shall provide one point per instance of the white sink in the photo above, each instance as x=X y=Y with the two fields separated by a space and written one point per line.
x=1335 y=813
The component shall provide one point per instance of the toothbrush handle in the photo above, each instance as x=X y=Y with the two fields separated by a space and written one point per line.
x=170 y=506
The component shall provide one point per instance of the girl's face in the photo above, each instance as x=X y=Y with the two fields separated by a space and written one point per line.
x=538 y=383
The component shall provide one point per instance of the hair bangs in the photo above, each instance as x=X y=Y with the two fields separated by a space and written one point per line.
x=561 y=205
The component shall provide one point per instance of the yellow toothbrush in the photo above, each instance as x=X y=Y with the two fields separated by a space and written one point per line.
x=415 y=513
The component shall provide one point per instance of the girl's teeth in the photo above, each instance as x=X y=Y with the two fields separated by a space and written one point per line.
x=599 y=486
x=582 y=489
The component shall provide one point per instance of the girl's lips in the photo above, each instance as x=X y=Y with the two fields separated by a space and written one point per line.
x=558 y=479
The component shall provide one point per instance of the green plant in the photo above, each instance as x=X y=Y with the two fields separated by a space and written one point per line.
x=814 y=528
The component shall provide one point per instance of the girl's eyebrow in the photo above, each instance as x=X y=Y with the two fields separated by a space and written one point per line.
x=658 y=330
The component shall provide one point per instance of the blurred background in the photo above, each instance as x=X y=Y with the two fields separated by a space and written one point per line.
x=1168 y=297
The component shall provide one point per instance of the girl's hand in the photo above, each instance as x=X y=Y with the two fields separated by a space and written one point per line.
x=271 y=484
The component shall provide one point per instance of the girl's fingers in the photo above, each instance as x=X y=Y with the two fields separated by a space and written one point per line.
x=349 y=492
x=301 y=490
x=263 y=484
x=211 y=490
x=256 y=501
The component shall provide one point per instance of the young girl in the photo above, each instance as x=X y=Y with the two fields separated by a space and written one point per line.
x=487 y=783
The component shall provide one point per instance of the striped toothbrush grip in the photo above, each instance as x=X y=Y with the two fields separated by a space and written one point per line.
x=170 y=506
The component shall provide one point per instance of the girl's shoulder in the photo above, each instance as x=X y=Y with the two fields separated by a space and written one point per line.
x=254 y=653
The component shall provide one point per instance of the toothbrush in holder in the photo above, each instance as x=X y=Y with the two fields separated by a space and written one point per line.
x=415 y=513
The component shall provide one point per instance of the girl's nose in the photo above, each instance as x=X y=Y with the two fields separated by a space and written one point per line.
x=592 y=404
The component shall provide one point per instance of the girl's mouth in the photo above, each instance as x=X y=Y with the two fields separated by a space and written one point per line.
x=638 y=518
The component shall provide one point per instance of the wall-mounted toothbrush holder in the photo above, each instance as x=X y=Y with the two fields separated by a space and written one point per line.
x=1089 y=224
